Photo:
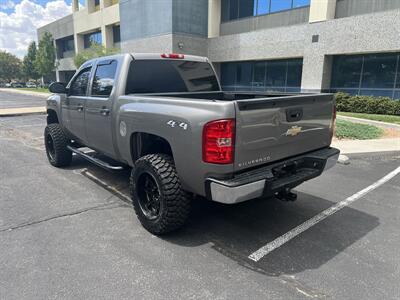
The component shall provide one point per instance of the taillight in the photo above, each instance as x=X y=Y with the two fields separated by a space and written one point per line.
x=173 y=56
x=333 y=121
x=219 y=141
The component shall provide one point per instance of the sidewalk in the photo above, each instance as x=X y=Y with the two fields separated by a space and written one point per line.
x=9 y=112
x=11 y=90
x=365 y=146
x=369 y=122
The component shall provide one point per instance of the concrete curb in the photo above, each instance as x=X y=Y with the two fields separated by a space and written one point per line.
x=369 y=122
x=11 y=90
x=11 y=112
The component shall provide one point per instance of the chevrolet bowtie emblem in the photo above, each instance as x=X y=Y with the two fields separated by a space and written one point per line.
x=295 y=130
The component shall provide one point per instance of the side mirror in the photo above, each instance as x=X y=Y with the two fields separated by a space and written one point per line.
x=57 y=88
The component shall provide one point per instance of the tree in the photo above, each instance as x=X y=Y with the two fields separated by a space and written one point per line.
x=28 y=64
x=10 y=66
x=94 y=51
x=45 y=62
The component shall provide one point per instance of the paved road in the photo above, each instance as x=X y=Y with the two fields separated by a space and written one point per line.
x=72 y=234
x=16 y=100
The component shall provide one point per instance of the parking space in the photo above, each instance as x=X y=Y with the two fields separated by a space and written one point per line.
x=71 y=233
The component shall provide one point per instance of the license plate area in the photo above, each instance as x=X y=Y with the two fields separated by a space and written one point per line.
x=293 y=173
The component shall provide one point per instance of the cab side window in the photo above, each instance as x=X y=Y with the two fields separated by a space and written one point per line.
x=104 y=77
x=79 y=84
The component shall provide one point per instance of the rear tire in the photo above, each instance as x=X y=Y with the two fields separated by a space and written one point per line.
x=56 y=143
x=157 y=196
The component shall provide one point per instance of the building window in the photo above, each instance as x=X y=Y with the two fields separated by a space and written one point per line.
x=272 y=75
x=368 y=74
x=68 y=45
x=96 y=5
x=116 y=33
x=278 y=5
x=93 y=38
x=65 y=47
x=236 y=9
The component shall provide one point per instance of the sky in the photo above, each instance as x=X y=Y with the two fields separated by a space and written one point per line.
x=20 y=18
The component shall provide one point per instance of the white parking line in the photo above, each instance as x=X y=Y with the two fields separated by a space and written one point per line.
x=260 y=253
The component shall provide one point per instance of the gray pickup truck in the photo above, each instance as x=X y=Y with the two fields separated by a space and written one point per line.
x=166 y=117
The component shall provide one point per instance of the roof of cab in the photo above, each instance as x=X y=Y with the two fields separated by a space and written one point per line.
x=147 y=56
x=158 y=56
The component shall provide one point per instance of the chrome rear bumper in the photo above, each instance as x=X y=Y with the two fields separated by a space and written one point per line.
x=267 y=180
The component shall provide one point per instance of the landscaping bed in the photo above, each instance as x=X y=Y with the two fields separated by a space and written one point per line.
x=349 y=130
x=373 y=117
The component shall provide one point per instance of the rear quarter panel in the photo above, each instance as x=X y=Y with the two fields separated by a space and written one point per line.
x=180 y=122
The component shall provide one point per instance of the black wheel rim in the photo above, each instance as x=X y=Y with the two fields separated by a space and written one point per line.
x=149 y=196
x=50 y=146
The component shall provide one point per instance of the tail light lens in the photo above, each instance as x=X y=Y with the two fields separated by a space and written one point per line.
x=219 y=141
x=333 y=121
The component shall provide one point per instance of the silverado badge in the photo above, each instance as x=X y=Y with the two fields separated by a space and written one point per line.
x=295 y=130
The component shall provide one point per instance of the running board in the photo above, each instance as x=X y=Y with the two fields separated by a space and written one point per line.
x=94 y=160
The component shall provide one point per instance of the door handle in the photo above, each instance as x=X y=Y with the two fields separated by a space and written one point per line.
x=105 y=111
x=80 y=107
x=294 y=115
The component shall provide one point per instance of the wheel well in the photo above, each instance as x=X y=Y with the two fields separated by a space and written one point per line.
x=51 y=117
x=146 y=143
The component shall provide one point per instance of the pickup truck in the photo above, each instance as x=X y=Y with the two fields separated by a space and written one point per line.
x=166 y=117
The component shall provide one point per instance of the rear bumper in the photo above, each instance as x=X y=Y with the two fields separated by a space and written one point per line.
x=267 y=180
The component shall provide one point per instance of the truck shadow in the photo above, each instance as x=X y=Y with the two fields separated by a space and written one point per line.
x=238 y=230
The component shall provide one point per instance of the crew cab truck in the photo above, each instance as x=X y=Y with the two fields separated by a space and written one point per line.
x=166 y=117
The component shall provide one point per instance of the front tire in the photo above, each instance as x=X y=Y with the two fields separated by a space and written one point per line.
x=157 y=196
x=56 y=143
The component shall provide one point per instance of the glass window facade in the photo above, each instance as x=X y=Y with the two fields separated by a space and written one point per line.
x=92 y=38
x=273 y=75
x=367 y=74
x=237 y=9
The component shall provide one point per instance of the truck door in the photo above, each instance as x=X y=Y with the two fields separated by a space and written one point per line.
x=98 y=112
x=73 y=108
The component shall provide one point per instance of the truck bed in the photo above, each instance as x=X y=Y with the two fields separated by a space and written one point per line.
x=223 y=96
x=273 y=126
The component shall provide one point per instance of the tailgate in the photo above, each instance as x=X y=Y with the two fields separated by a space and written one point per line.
x=270 y=129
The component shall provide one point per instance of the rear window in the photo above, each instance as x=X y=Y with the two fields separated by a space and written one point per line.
x=170 y=76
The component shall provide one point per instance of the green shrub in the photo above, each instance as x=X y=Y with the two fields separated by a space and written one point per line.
x=367 y=104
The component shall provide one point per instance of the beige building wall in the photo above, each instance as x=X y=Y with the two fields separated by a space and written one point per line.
x=91 y=18
x=214 y=18
x=322 y=10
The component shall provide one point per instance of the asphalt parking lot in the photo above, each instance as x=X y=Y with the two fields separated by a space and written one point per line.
x=17 y=100
x=71 y=233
